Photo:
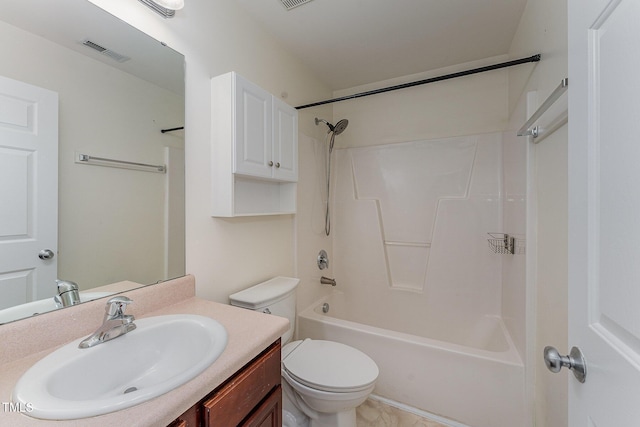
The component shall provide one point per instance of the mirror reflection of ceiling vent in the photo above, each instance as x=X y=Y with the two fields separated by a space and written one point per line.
x=290 y=4
x=104 y=51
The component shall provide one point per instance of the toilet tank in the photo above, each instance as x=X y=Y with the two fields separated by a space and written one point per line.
x=276 y=296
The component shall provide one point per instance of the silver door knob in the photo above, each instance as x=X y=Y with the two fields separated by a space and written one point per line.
x=278 y=164
x=46 y=254
x=270 y=163
x=574 y=361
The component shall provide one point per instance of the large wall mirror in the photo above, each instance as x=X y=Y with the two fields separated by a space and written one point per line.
x=116 y=89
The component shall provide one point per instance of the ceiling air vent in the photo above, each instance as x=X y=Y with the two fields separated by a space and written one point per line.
x=104 y=51
x=290 y=4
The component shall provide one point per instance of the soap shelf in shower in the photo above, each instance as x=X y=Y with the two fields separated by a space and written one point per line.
x=502 y=243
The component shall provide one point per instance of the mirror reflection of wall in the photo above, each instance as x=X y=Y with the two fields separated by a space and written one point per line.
x=114 y=224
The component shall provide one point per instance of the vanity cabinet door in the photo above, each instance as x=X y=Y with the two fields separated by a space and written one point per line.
x=269 y=413
x=250 y=396
x=190 y=418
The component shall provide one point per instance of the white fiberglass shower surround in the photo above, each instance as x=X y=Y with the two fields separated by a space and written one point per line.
x=420 y=288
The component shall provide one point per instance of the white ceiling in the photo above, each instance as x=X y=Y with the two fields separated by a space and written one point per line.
x=347 y=43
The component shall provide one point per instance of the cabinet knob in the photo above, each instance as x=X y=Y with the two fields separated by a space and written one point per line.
x=270 y=163
x=278 y=164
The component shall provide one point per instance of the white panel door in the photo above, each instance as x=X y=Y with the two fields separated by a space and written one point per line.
x=28 y=191
x=253 y=142
x=285 y=141
x=604 y=210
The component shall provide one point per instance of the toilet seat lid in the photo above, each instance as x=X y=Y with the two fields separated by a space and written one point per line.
x=330 y=366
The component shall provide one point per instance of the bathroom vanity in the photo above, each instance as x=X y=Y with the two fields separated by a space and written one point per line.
x=242 y=387
x=251 y=397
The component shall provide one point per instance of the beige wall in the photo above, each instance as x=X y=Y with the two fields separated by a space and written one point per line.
x=107 y=216
x=543 y=29
x=226 y=255
x=463 y=106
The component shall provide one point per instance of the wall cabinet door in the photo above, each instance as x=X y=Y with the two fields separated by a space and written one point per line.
x=285 y=141
x=266 y=134
x=253 y=129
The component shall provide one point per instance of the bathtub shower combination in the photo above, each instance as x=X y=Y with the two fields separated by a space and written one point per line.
x=420 y=291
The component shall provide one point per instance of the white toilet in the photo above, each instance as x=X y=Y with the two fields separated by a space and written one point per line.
x=323 y=381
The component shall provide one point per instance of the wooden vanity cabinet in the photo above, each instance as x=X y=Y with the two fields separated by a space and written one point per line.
x=252 y=397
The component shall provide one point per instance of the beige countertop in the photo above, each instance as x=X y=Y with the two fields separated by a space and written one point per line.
x=248 y=334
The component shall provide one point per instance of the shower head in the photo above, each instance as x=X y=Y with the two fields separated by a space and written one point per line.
x=338 y=128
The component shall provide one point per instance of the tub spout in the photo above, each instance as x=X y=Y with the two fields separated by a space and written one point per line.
x=327 y=281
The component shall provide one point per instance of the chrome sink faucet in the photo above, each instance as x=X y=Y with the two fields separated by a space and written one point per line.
x=67 y=293
x=115 y=323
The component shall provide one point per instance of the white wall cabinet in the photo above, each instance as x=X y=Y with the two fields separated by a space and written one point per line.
x=254 y=150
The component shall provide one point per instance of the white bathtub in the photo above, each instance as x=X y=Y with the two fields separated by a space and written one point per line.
x=467 y=372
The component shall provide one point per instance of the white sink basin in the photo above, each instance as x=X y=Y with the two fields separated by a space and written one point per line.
x=163 y=353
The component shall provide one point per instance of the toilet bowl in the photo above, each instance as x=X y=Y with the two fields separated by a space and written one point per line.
x=327 y=380
x=322 y=381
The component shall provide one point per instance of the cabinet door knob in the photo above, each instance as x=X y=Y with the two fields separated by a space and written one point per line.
x=270 y=163
x=278 y=164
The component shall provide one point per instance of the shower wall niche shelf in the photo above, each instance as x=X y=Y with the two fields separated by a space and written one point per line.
x=502 y=243
x=254 y=150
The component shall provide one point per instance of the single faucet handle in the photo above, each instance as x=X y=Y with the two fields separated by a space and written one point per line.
x=66 y=286
x=67 y=293
x=117 y=305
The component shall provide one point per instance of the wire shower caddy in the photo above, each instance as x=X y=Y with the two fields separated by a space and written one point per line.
x=506 y=244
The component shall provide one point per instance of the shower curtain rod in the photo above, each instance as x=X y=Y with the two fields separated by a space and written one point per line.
x=171 y=130
x=534 y=58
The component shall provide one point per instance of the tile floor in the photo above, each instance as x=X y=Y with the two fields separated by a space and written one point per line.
x=374 y=413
